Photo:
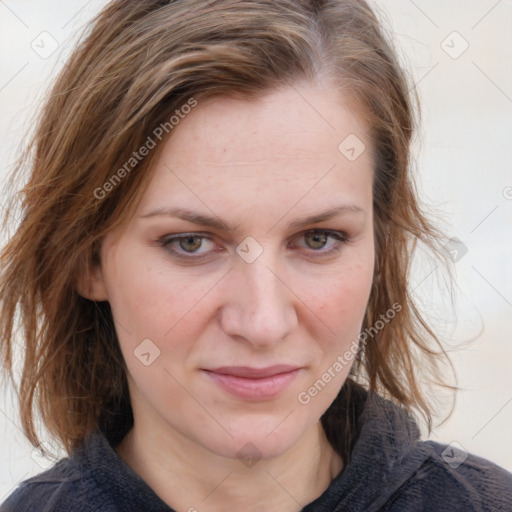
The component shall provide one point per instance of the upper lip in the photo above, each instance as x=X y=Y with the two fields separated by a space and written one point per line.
x=254 y=373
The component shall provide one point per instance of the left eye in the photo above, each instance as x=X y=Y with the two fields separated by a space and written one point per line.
x=319 y=239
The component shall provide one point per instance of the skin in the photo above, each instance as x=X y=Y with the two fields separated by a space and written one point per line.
x=260 y=166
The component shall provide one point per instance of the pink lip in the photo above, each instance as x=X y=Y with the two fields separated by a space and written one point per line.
x=253 y=383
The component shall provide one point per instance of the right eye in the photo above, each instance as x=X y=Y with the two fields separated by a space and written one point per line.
x=187 y=245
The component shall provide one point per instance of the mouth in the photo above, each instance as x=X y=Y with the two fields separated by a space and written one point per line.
x=253 y=383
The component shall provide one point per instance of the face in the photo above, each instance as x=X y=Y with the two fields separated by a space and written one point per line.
x=245 y=273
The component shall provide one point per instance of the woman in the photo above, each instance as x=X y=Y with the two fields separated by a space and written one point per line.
x=211 y=271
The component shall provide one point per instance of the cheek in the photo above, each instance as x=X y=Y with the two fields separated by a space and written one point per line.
x=341 y=302
x=151 y=300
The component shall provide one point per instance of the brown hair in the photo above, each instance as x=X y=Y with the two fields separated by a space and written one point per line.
x=140 y=62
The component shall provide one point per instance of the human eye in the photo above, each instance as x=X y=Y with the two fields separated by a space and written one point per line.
x=322 y=242
x=189 y=246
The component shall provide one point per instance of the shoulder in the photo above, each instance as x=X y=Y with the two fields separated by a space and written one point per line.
x=391 y=470
x=92 y=479
x=62 y=488
x=452 y=479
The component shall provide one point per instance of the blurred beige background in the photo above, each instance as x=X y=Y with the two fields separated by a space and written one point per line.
x=459 y=55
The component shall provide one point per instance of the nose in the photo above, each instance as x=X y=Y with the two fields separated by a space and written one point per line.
x=260 y=307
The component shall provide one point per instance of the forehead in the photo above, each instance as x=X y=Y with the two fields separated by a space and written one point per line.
x=291 y=142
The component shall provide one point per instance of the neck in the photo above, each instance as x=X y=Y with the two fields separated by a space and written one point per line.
x=189 y=477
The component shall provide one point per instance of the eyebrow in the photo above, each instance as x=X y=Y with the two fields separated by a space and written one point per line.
x=217 y=223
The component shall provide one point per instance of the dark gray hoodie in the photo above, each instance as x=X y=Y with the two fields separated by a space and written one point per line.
x=389 y=470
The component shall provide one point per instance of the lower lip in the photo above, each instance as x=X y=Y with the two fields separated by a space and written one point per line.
x=251 y=388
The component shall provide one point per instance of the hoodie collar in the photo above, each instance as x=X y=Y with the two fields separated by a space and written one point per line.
x=385 y=454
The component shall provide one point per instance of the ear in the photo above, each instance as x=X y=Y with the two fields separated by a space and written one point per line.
x=90 y=282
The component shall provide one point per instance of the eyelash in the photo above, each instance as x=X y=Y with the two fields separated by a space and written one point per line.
x=166 y=242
